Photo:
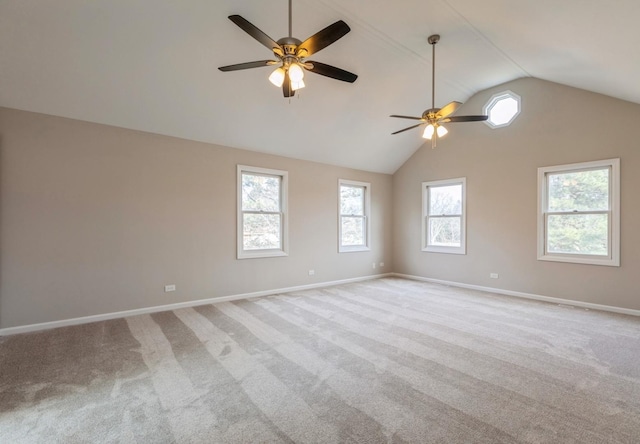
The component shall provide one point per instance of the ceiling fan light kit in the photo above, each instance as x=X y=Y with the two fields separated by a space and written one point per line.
x=440 y=131
x=435 y=117
x=291 y=54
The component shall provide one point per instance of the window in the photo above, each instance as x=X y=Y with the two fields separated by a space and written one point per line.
x=262 y=212
x=502 y=109
x=579 y=213
x=443 y=216
x=354 y=215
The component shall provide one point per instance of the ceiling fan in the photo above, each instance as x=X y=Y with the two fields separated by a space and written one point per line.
x=435 y=117
x=291 y=54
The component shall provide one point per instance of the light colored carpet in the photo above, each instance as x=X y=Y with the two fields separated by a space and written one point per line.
x=389 y=360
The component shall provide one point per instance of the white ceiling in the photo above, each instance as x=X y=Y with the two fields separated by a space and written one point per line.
x=151 y=65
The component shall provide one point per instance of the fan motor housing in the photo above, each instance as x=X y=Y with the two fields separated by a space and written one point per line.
x=430 y=114
x=290 y=44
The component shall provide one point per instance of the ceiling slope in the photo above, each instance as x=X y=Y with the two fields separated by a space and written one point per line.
x=151 y=65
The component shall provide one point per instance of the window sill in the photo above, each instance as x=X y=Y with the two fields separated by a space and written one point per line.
x=603 y=261
x=446 y=250
x=261 y=254
x=352 y=249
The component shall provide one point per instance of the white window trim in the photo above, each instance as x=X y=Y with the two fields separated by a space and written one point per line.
x=494 y=100
x=367 y=217
x=613 y=260
x=284 y=186
x=462 y=249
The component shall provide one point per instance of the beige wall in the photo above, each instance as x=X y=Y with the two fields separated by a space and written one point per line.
x=557 y=125
x=97 y=219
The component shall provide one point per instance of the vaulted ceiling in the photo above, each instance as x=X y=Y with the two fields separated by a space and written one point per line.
x=151 y=65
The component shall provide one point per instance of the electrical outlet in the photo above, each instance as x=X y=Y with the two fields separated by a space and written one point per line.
x=168 y=288
x=381 y=264
x=312 y=272
x=494 y=276
x=374 y=265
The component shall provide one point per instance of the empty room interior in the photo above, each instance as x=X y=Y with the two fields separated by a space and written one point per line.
x=319 y=221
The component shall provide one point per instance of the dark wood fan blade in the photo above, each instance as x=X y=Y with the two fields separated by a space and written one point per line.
x=254 y=32
x=322 y=39
x=454 y=119
x=248 y=65
x=286 y=86
x=406 y=117
x=449 y=108
x=332 y=71
x=408 y=128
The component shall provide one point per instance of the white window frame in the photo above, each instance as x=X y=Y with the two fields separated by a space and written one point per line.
x=613 y=258
x=366 y=216
x=493 y=101
x=284 y=226
x=462 y=249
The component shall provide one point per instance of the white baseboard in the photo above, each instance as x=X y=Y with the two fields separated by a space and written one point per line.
x=519 y=294
x=121 y=314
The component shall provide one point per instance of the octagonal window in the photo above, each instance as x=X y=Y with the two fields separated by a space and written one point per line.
x=502 y=109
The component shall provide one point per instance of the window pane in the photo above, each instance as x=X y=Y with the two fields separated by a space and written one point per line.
x=260 y=193
x=261 y=231
x=444 y=231
x=351 y=200
x=445 y=200
x=352 y=231
x=580 y=191
x=503 y=110
x=578 y=234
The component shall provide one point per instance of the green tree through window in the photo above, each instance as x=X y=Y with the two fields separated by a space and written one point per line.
x=353 y=215
x=443 y=216
x=579 y=213
x=261 y=212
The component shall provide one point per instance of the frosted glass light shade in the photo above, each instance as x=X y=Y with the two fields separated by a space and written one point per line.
x=297 y=85
x=442 y=131
x=428 y=132
x=295 y=72
x=277 y=77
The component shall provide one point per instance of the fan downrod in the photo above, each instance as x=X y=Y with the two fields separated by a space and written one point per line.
x=437 y=116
